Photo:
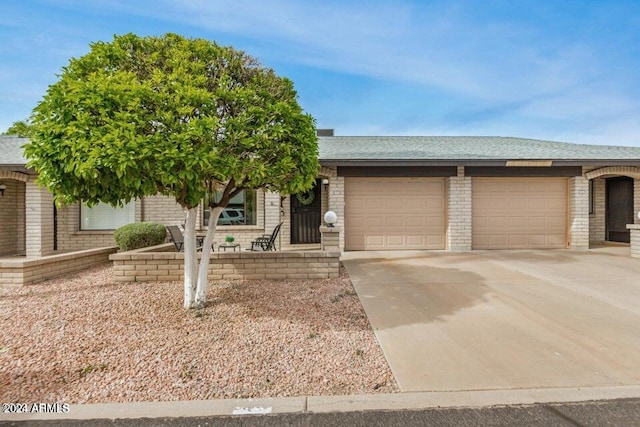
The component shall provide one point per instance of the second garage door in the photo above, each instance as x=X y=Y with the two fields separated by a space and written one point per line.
x=511 y=213
x=395 y=213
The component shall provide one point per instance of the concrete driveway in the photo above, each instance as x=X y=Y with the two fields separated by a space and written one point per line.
x=503 y=319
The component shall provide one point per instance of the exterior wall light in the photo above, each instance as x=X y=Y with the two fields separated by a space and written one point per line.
x=330 y=218
x=2 y=188
x=325 y=182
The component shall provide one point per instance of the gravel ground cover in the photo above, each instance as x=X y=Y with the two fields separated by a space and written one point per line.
x=85 y=338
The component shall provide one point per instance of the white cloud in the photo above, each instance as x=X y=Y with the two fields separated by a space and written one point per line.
x=511 y=73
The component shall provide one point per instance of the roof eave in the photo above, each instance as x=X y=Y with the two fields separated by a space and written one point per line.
x=473 y=162
x=16 y=167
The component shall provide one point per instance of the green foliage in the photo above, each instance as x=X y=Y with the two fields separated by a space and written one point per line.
x=19 y=128
x=139 y=235
x=146 y=115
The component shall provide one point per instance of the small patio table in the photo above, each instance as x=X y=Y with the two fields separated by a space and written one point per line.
x=226 y=246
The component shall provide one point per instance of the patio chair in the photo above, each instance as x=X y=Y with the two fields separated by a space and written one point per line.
x=175 y=233
x=266 y=242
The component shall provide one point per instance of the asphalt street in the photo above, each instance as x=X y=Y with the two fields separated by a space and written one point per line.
x=621 y=412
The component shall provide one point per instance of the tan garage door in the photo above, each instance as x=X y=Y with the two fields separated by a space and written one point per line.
x=511 y=213
x=394 y=213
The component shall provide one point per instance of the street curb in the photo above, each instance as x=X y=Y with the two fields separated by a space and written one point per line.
x=318 y=404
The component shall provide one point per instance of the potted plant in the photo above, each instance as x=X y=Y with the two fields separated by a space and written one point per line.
x=229 y=239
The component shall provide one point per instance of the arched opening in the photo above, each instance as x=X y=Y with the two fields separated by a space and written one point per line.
x=614 y=195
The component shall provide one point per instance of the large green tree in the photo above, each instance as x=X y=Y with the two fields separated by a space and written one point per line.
x=19 y=128
x=170 y=115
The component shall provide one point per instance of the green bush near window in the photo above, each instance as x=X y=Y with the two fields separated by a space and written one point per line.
x=139 y=235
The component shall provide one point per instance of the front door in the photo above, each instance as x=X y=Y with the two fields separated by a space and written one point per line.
x=305 y=216
x=619 y=208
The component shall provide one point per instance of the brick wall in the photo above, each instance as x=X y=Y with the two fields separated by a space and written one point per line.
x=162 y=209
x=28 y=271
x=597 y=219
x=635 y=242
x=636 y=200
x=139 y=266
x=71 y=238
x=336 y=199
x=165 y=210
x=12 y=227
x=459 y=193
x=39 y=220
x=579 y=211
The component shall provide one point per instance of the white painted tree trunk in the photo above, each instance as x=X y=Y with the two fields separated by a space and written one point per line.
x=190 y=259
x=203 y=272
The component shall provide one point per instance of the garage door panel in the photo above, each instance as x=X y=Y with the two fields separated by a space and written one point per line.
x=536 y=222
x=415 y=221
x=556 y=241
x=395 y=213
x=517 y=240
x=415 y=204
x=496 y=222
x=527 y=213
x=373 y=240
x=517 y=204
x=517 y=222
x=434 y=225
x=415 y=240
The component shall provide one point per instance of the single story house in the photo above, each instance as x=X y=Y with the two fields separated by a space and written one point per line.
x=414 y=192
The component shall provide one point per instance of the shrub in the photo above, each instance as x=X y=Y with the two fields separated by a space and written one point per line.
x=139 y=235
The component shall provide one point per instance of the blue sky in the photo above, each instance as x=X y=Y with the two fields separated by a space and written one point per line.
x=560 y=70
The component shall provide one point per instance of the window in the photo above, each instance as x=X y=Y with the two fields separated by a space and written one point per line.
x=240 y=211
x=106 y=217
x=592 y=199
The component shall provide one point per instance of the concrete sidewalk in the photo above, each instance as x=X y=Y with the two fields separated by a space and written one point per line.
x=325 y=404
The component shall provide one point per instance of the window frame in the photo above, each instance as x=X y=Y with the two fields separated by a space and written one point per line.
x=256 y=216
x=131 y=205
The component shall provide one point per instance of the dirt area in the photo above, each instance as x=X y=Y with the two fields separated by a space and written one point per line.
x=85 y=338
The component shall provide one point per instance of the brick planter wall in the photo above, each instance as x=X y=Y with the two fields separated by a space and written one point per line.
x=28 y=271
x=140 y=266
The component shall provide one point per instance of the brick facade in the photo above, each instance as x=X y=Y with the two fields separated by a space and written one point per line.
x=459 y=194
x=636 y=200
x=336 y=201
x=165 y=210
x=38 y=220
x=635 y=240
x=27 y=212
x=579 y=213
x=597 y=219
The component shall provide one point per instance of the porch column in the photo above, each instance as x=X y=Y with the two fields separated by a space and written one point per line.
x=636 y=200
x=272 y=215
x=579 y=221
x=39 y=220
x=635 y=239
x=459 y=211
x=336 y=202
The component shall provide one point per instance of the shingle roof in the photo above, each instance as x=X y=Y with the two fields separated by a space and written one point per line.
x=477 y=148
x=464 y=148
x=11 y=153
